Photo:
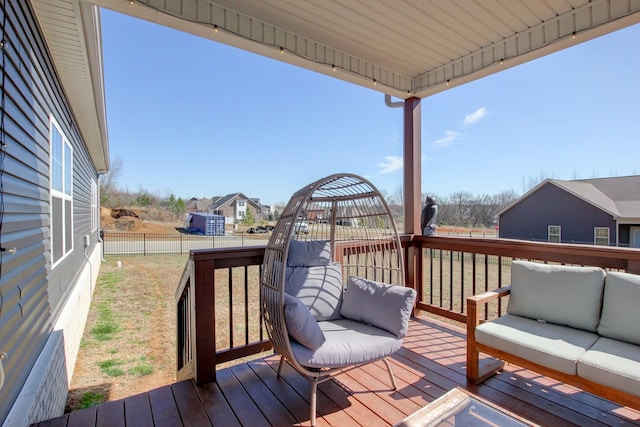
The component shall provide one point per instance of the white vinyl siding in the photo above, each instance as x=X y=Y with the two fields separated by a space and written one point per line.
x=601 y=236
x=554 y=234
x=61 y=194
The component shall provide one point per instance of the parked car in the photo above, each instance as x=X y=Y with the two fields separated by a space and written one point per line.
x=258 y=229
x=301 y=226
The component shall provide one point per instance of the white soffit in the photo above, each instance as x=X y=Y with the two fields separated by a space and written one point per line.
x=74 y=37
x=400 y=47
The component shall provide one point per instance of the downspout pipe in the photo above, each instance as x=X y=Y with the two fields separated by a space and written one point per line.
x=390 y=104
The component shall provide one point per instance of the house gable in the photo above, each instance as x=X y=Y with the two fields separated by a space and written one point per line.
x=549 y=204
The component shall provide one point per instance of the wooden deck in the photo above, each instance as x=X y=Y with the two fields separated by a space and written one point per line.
x=431 y=362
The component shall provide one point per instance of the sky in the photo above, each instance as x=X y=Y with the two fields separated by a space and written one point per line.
x=195 y=118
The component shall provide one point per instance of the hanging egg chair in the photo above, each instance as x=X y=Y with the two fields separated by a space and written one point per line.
x=332 y=286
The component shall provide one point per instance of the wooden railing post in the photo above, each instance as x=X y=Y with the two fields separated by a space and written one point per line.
x=204 y=322
x=413 y=269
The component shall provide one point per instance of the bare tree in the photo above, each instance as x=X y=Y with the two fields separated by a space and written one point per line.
x=109 y=194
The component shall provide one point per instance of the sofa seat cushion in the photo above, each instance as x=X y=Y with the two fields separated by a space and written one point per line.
x=620 y=318
x=565 y=295
x=347 y=342
x=553 y=346
x=612 y=363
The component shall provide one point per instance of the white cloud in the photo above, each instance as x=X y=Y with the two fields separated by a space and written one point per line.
x=390 y=164
x=475 y=117
x=450 y=138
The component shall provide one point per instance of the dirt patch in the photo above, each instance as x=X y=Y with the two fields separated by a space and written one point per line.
x=128 y=345
x=137 y=225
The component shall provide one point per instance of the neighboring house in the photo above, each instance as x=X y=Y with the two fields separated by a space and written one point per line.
x=601 y=211
x=234 y=207
x=54 y=127
x=199 y=205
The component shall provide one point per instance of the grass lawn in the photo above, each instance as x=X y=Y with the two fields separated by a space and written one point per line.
x=129 y=341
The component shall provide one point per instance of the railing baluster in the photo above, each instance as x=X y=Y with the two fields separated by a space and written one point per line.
x=451 y=255
x=246 y=305
x=230 y=288
x=462 y=293
x=486 y=283
x=440 y=300
x=431 y=276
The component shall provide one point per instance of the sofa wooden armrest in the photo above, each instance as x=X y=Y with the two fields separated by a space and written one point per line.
x=476 y=373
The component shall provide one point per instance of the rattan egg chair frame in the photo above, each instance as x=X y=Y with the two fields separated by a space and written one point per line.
x=350 y=213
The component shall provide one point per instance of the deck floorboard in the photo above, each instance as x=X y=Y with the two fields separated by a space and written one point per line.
x=431 y=362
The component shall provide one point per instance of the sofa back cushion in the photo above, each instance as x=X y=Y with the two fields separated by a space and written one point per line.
x=564 y=295
x=318 y=287
x=620 y=318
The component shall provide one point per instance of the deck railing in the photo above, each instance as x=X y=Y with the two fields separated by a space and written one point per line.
x=218 y=298
x=454 y=268
x=218 y=310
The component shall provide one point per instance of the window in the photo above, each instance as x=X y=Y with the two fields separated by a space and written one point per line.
x=61 y=182
x=601 y=236
x=554 y=234
x=94 y=205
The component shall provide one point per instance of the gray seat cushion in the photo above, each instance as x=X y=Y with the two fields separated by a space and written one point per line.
x=559 y=294
x=318 y=287
x=385 y=306
x=620 y=314
x=347 y=343
x=612 y=363
x=554 y=346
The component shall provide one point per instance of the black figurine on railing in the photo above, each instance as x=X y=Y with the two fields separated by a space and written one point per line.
x=429 y=214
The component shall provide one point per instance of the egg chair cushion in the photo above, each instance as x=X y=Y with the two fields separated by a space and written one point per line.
x=347 y=343
x=385 y=306
x=300 y=323
x=318 y=287
x=308 y=253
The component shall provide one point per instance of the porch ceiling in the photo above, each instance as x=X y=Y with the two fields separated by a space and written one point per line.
x=402 y=48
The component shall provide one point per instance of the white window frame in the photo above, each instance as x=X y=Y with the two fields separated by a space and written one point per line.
x=558 y=234
x=94 y=205
x=596 y=237
x=61 y=188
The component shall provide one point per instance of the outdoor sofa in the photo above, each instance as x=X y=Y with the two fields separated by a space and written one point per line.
x=580 y=325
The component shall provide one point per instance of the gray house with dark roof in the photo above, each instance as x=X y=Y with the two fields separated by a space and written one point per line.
x=603 y=211
x=234 y=206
